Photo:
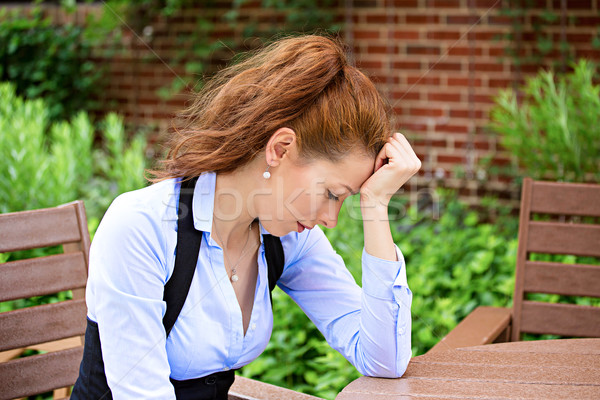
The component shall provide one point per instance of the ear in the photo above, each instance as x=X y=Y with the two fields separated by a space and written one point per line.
x=281 y=144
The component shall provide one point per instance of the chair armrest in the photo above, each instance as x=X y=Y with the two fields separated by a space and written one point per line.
x=250 y=389
x=483 y=325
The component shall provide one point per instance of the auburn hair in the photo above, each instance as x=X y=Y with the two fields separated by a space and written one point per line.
x=304 y=83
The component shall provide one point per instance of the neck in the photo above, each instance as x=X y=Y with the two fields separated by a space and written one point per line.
x=233 y=212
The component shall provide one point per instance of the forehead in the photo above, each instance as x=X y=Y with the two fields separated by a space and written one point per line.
x=353 y=170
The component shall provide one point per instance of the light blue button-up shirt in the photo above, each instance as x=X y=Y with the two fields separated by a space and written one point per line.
x=133 y=255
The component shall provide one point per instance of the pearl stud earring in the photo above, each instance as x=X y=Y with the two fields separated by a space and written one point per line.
x=267 y=174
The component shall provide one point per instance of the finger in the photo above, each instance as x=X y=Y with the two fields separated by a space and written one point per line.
x=381 y=158
x=410 y=156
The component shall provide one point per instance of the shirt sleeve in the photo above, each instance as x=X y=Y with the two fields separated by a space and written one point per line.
x=127 y=277
x=370 y=327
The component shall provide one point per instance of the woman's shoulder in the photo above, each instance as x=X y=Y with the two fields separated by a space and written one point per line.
x=158 y=198
x=298 y=245
x=150 y=207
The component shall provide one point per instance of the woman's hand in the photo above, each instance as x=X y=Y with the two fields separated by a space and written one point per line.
x=394 y=165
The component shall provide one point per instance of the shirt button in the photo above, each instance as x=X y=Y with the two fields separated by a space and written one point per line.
x=253 y=326
x=226 y=369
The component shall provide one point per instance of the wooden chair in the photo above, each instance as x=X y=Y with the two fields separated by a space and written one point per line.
x=57 y=328
x=565 y=202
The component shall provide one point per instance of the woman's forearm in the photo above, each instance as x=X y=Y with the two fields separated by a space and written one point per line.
x=376 y=226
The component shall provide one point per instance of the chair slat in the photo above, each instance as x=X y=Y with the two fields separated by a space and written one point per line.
x=579 y=199
x=560 y=319
x=43 y=323
x=41 y=276
x=561 y=238
x=38 y=228
x=564 y=279
x=40 y=373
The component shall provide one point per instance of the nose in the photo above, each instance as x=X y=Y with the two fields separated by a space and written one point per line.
x=329 y=215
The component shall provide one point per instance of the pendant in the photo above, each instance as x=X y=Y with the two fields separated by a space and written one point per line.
x=234 y=278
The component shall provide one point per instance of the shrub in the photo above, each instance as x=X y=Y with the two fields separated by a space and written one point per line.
x=44 y=164
x=53 y=62
x=554 y=132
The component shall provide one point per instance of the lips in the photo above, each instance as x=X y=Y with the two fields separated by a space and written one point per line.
x=301 y=227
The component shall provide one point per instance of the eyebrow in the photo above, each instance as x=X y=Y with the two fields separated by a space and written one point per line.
x=350 y=190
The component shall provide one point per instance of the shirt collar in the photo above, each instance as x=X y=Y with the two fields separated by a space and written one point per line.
x=204 y=203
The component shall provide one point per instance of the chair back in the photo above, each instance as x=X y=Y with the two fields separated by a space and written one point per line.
x=572 y=229
x=45 y=327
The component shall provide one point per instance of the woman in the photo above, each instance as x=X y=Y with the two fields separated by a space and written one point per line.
x=269 y=150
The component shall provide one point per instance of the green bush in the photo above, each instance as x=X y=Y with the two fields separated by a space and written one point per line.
x=53 y=62
x=44 y=164
x=554 y=132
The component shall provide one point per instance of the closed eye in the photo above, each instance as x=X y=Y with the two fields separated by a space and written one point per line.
x=332 y=196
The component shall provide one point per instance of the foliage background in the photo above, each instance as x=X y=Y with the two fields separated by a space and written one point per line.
x=456 y=260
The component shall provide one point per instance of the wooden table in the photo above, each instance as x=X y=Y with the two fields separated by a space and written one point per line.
x=545 y=369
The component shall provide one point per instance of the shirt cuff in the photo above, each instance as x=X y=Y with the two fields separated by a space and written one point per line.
x=380 y=276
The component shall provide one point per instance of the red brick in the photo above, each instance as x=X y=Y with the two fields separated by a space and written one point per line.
x=452 y=128
x=497 y=52
x=500 y=83
x=422 y=80
x=365 y=3
x=414 y=49
x=528 y=68
x=405 y=35
x=579 y=21
x=406 y=65
x=399 y=110
x=422 y=19
x=501 y=162
x=386 y=78
x=575 y=37
x=405 y=3
x=487 y=4
x=406 y=95
x=443 y=35
x=460 y=81
x=499 y=20
x=481 y=98
x=414 y=126
x=573 y=5
x=478 y=144
x=465 y=51
x=443 y=3
x=593 y=54
x=429 y=142
x=470 y=113
x=360 y=34
x=442 y=158
x=446 y=97
x=370 y=64
x=462 y=19
x=382 y=19
x=486 y=67
x=392 y=49
x=445 y=66
x=426 y=112
x=487 y=36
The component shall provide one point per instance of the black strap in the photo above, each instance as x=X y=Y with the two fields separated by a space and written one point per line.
x=275 y=260
x=186 y=257
x=187 y=250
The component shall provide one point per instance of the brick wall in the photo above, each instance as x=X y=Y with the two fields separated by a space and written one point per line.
x=438 y=62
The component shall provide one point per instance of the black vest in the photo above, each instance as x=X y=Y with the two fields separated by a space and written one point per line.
x=92 y=385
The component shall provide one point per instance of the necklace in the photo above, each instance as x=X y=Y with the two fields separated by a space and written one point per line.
x=234 y=277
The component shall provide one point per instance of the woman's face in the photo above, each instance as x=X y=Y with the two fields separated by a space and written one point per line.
x=304 y=195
